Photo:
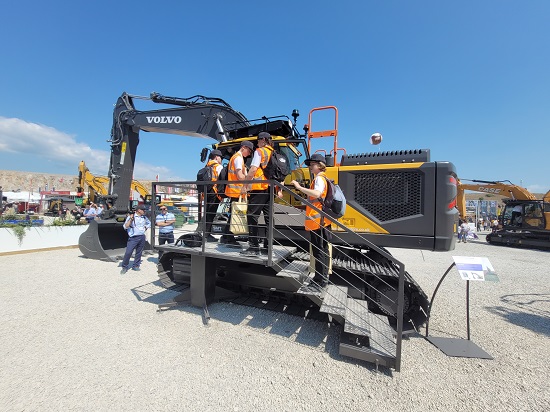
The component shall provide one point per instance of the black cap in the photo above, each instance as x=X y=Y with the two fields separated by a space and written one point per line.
x=317 y=157
x=248 y=144
x=264 y=135
x=216 y=152
x=140 y=207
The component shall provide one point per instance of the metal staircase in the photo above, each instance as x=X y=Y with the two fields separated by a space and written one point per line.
x=366 y=336
x=366 y=284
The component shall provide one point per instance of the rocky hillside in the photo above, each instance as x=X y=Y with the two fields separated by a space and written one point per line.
x=12 y=181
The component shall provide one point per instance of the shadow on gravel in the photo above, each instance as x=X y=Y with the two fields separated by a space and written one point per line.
x=156 y=293
x=527 y=315
x=295 y=323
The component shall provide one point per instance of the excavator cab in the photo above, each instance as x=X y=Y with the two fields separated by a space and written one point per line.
x=526 y=214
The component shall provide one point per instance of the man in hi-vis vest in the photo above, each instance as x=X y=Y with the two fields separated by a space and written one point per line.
x=236 y=170
x=258 y=200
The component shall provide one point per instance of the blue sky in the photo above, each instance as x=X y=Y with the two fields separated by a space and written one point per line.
x=468 y=80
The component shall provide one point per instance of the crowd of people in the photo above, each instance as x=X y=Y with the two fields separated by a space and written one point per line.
x=258 y=195
x=89 y=212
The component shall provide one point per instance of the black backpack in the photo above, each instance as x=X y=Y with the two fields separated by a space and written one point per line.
x=334 y=204
x=204 y=175
x=190 y=240
x=220 y=187
x=277 y=168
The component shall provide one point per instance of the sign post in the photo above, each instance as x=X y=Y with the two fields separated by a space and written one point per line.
x=469 y=269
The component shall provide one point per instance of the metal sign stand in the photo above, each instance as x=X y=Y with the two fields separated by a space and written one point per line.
x=456 y=347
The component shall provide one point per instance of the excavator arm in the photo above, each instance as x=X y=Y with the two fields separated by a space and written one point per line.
x=196 y=116
x=97 y=185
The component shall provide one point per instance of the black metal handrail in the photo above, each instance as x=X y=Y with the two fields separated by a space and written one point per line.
x=270 y=230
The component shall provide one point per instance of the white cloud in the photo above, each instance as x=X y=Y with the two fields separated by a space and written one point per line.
x=19 y=137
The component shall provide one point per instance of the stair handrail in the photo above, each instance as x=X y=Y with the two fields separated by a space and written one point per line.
x=304 y=201
x=401 y=265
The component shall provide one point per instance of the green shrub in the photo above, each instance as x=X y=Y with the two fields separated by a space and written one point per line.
x=19 y=231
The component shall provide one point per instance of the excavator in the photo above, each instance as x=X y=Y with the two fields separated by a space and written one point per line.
x=395 y=199
x=524 y=221
x=97 y=188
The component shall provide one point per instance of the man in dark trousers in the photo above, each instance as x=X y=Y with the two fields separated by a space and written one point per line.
x=136 y=225
x=165 y=221
x=258 y=200
x=236 y=171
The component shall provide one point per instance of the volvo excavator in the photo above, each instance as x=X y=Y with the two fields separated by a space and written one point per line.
x=395 y=199
x=524 y=221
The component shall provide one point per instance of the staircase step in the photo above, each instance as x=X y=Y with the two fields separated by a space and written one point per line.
x=335 y=300
x=310 y=290
x=367 y=354
x=297 y=270
x=357 y=317
x=381 y=339
x=361 y=322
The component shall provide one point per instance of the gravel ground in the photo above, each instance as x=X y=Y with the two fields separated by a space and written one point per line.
x=75 y=335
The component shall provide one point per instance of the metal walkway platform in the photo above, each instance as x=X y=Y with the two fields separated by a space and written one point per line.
x=231 y=252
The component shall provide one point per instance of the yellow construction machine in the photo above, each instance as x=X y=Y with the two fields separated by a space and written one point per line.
x=98 y=188
x=524 y=221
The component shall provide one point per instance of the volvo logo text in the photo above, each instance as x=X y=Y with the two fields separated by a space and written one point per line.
x=163 y=119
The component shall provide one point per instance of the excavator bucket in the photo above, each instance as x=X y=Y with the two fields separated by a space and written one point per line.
x=105 y=240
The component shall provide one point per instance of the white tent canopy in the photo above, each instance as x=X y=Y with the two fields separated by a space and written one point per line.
x=22 y=196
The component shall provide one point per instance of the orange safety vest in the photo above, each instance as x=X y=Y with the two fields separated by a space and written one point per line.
x=265 y=155
x=214 y=166
x=313 y=218
x=233 y=189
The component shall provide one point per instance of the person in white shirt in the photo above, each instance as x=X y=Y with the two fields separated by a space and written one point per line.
x=165 y=221
x=136 y=225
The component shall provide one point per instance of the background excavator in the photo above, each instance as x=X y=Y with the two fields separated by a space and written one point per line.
x=97 y=187
x=524 y=221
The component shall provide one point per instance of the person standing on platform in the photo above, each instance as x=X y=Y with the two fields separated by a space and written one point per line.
x=258 y=200
x=236 y=171
x=211 y=194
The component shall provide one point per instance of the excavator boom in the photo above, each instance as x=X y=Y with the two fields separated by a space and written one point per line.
x=197 y=116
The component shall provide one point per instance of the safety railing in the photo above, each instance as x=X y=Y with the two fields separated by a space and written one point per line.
x=370 y=273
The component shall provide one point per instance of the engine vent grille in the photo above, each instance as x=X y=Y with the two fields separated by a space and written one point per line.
x=390 y=195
